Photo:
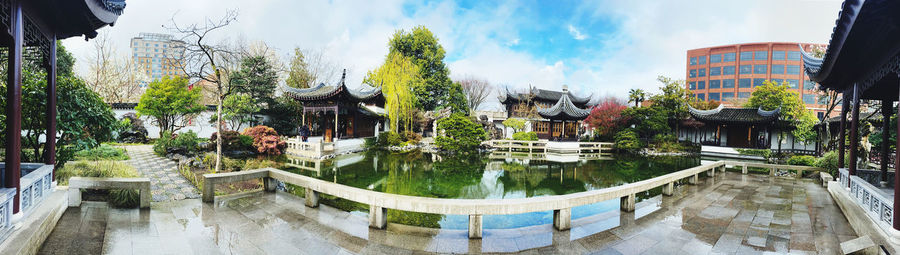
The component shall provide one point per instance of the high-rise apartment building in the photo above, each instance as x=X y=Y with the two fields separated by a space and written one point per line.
x=730 y=73
x=157 y=55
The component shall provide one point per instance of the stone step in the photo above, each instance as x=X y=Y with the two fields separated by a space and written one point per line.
x=861 y=245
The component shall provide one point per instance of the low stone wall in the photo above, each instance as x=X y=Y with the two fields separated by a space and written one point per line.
x=78 y=183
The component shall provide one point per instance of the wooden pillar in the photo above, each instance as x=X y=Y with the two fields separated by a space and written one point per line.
x=886 y=111
x=50 y=145
x=335 y=133
x=845 y=106
x=896 y=176
x=854 y=130
x=13 y=167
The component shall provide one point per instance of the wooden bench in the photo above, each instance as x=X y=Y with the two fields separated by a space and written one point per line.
x=78 y=183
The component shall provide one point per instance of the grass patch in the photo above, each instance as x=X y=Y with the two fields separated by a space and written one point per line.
x=124 y=198
x=103 y=152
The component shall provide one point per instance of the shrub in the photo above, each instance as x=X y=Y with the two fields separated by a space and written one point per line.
x=232 y=140
x=412 y=137
x=103 y=152
x=627 y=140
x=117 y=197
x=765 y=153
x=802 y=160
x=525 y=136
x=389 y=138
x=829 y=162
x=184 y=143
x=516 y=124
x=162 y=144
x=459 y=134
x=265 y=140
x=261 y=163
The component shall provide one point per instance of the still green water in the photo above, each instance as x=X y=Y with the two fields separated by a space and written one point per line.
x=480 y=176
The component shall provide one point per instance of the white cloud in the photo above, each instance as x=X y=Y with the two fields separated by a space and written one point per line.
x=576 y=34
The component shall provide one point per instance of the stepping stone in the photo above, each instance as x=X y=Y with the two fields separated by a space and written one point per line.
x=861 y=245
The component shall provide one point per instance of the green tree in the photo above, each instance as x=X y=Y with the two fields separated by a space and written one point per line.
x=299 y=75
x=309 y=68
x=256 y=78
x=637 y=96
x=458 y=133
x=672 y=101
x=422 y=47
x=397 y=77
x=515 y=123
x=169 y=101
x=772 y=96
x=238 y=109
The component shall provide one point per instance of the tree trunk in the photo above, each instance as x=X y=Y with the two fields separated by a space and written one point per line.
x=219 y=130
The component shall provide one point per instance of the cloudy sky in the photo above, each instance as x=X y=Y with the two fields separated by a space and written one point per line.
x=599 y=47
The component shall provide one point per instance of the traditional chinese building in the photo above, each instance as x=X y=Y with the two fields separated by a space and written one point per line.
x=336 y=111
x=552 y=115
x=730 y=127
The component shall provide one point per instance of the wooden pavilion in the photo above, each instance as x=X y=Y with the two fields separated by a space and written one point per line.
x=554 y=115
x=732 y=127
x=340 y=112
x=862 y=61
x=30 y=33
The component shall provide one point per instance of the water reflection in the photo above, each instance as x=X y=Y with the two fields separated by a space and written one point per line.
x=486 y=176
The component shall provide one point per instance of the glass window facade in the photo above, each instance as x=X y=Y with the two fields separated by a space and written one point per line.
x=714 y=84
x=693 y=73
x=793 y=55
x=727 y=95
x=777 y=81
x=728 y=57
x=728 y=70
x=809 y=85
x=715 y=58
x=743 y=94
x=777 y=55
x=746 y=69
x=715 y=71
x=729 y=83
x=701 y=96
x=759 y=69
x=746 y=55
x=777 y=69
x=701 y=72
x=744 y=83
x=809 y=99
x=762 y=55
x=701 y=85
x=692 y=85
x=701 y=60
x=793 y=83
x=758 y=82
x=714 y=96
x=792 y=69
x=694 y=61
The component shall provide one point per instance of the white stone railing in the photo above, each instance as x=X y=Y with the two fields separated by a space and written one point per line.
x=871 y=199
x=36 y=185
x=542 y=146
x=297 y=147
x=142 y=185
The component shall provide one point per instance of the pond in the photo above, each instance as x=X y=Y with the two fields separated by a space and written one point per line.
x=479 y=176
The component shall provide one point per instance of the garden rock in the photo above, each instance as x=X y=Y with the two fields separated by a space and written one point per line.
x=135 y=132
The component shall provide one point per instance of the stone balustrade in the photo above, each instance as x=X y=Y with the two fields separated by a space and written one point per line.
x=378 y=202
x=78 y=183
x=546 y=146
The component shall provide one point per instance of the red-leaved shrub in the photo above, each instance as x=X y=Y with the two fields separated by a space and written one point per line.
x=265 y=140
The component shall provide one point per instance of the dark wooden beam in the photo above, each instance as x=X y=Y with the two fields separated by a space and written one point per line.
x=845 y=106
x=50 y=145
x=896 y=176
x=886 y=109
x=854 y=130
x=14 y=103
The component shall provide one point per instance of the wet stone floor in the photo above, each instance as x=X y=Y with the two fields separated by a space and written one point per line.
x=728 y=214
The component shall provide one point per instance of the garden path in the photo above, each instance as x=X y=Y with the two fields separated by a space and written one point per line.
x=166 y=184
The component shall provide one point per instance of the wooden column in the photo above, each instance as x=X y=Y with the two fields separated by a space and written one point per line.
x=13 y=168
x=845 y=106
x=335 y=133
x=896 y=176
x=886 y=111
x=50 y=145
x=854 y=130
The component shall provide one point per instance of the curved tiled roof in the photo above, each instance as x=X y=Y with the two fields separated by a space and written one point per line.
x=325 y=92
x=735 y=115
x=564 y=109
x=544 y=95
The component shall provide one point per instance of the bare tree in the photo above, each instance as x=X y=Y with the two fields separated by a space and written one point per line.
x=117 y=79
x=476 y=90
x=213 y=63
x=308 y=68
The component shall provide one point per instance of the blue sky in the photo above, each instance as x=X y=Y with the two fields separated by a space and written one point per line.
x=599 y=47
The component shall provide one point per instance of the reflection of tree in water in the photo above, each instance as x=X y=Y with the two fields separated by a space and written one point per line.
x=540 y=178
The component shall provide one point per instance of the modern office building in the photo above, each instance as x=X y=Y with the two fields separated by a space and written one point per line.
x=157 y=55
x=729 y=73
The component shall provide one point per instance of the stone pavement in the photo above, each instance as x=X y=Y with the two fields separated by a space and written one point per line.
x=730 y=214
x=166 y=184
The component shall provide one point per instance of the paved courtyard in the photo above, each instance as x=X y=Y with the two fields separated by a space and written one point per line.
x=731 y=214
x=166 y=184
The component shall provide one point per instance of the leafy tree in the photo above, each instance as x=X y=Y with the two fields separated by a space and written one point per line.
x=169 y=102
x=283 y=115
x=456 y=99
x=772 y=96
x=309 y=68
x=257 y=78
x=238 y=109
x=703 y=104
x=647 y=121
x=672 y=101
x=422 y=47
x=515 y=123
x=637 y=96
x=606 y=118
x=398 y=77
x=458 y=133
x=627 y=140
